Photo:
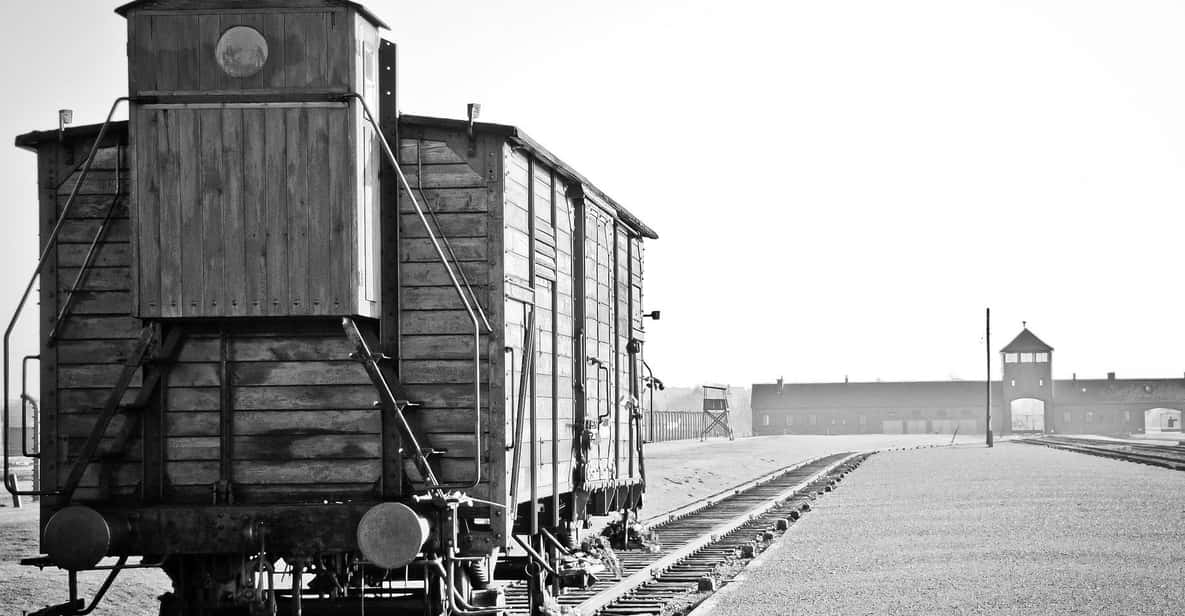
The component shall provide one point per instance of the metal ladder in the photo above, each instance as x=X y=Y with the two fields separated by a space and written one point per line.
x=50 y=244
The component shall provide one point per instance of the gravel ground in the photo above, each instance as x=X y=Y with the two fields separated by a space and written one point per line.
x=679 y=471
x=1018 y=529
x=682 y=471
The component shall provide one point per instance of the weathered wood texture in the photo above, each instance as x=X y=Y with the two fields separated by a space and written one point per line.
x=309 y=49
x=261 y=197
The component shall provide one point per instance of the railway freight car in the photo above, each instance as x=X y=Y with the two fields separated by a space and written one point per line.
x=300 y=351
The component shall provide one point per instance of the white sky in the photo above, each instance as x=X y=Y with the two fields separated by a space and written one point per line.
x=840 y=187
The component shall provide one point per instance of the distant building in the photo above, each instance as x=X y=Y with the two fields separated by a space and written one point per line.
x=1026 y=400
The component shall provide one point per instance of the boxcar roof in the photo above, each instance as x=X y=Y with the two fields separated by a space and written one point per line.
x=30 y=140
x=521 y=139
x=199 y=4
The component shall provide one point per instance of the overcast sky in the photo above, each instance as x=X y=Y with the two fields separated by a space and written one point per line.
x=840 y=187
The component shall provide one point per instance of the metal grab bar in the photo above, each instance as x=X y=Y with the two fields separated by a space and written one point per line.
x=50 y=242
x=528 y=364
x=26 y=401
x=473 y=317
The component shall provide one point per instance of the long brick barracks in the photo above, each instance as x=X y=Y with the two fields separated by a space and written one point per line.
x=1026 y=400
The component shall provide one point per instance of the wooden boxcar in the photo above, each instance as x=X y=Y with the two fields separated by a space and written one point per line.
x=259 y=341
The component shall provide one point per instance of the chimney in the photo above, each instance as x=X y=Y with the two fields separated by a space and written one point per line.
x=1074 y=377
x=779 y=386
x=1110 y=376
x=845 y=379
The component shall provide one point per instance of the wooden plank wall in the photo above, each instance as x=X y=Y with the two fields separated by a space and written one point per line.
x=302 y=423
x=308 y=49
x=98 y=332
x=599 y=339
x=436 y=333
x=265 y=196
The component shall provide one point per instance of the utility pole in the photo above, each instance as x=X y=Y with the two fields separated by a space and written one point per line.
x=988 y=384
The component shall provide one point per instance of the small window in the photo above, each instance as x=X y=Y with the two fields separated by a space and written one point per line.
x=765 y=420
x=1041 y=358
x=241 y=52
x=1147 y=389
x=1090 y=417
x=1026 y=358
x=1040 y=382
x=1012 y=383
x=1010 y=358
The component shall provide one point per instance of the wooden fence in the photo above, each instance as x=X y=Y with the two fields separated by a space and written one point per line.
x=660 y=426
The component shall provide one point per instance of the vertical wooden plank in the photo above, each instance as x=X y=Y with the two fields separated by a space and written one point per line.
x=276 y=68
x=183 y=273
x=188 y=56
x=297 y=128
x=340 y=172
x=320 y=225
x=258 y=80
x=234 y=241
x=316 y=45
x=167 y=34
x=210 y=75
x=211 y=274
x=147 y=208
x=276 y=210
x=48 y=162
x=255 y=190
x=340 y=49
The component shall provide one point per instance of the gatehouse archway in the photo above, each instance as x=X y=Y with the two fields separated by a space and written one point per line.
x=1028 y=415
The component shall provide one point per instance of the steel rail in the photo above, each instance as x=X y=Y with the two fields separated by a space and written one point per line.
x=635 y=580
x=1173 y=462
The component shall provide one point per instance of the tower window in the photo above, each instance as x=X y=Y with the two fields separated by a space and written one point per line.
x=1041 y=358
x=1040 y=382
x=1010 y=358
x=765 y=420
x=1026 y=358
x=1012 y=383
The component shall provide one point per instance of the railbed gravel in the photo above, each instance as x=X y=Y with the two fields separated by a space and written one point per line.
x=1018 y=529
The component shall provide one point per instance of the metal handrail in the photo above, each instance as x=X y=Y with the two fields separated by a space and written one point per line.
x=50 y=243
x=27 y=400
x=473 y=315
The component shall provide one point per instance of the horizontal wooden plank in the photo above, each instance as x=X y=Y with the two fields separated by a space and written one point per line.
x=445 y=396
x=80 y=425
x=416 y=322
x=425 y=151
x=95 y=206
x=307 y=447
x=439 y=298
x=458 y=420
x=447 y=225
x=193 y=398
x=84 y=231
x=428 y=372
x=192 y=424
x=96 y=279
x=434 y=274
x=422 y=250
x=305 y=397
x=192 y=448
x=103 y=182
x=281 y=423
x=117 y=474
x=85 y=401
x=100 y=302
x=456 y=445
x=306 y=471
x=438 y=347
x=449 y=200
x=93 y=376
x=107 y=254
x=194 y=375
x=189 y=473
x=94 y=351
x=457 y=175
x=291 y=348
x=299 y=373
x=248 y=494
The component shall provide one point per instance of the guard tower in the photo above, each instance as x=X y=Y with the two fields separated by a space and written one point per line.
x=716 y=411
x=1028 y=385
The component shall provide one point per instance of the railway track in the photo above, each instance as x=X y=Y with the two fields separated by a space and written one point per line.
x=699 y=538
x=1165 y=456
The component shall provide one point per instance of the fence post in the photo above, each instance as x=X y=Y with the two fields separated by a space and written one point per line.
x=16 y=498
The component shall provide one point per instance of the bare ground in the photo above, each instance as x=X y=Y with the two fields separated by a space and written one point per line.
x=679 y=472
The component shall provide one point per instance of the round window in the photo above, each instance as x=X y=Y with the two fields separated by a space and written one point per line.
x=241 y=51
